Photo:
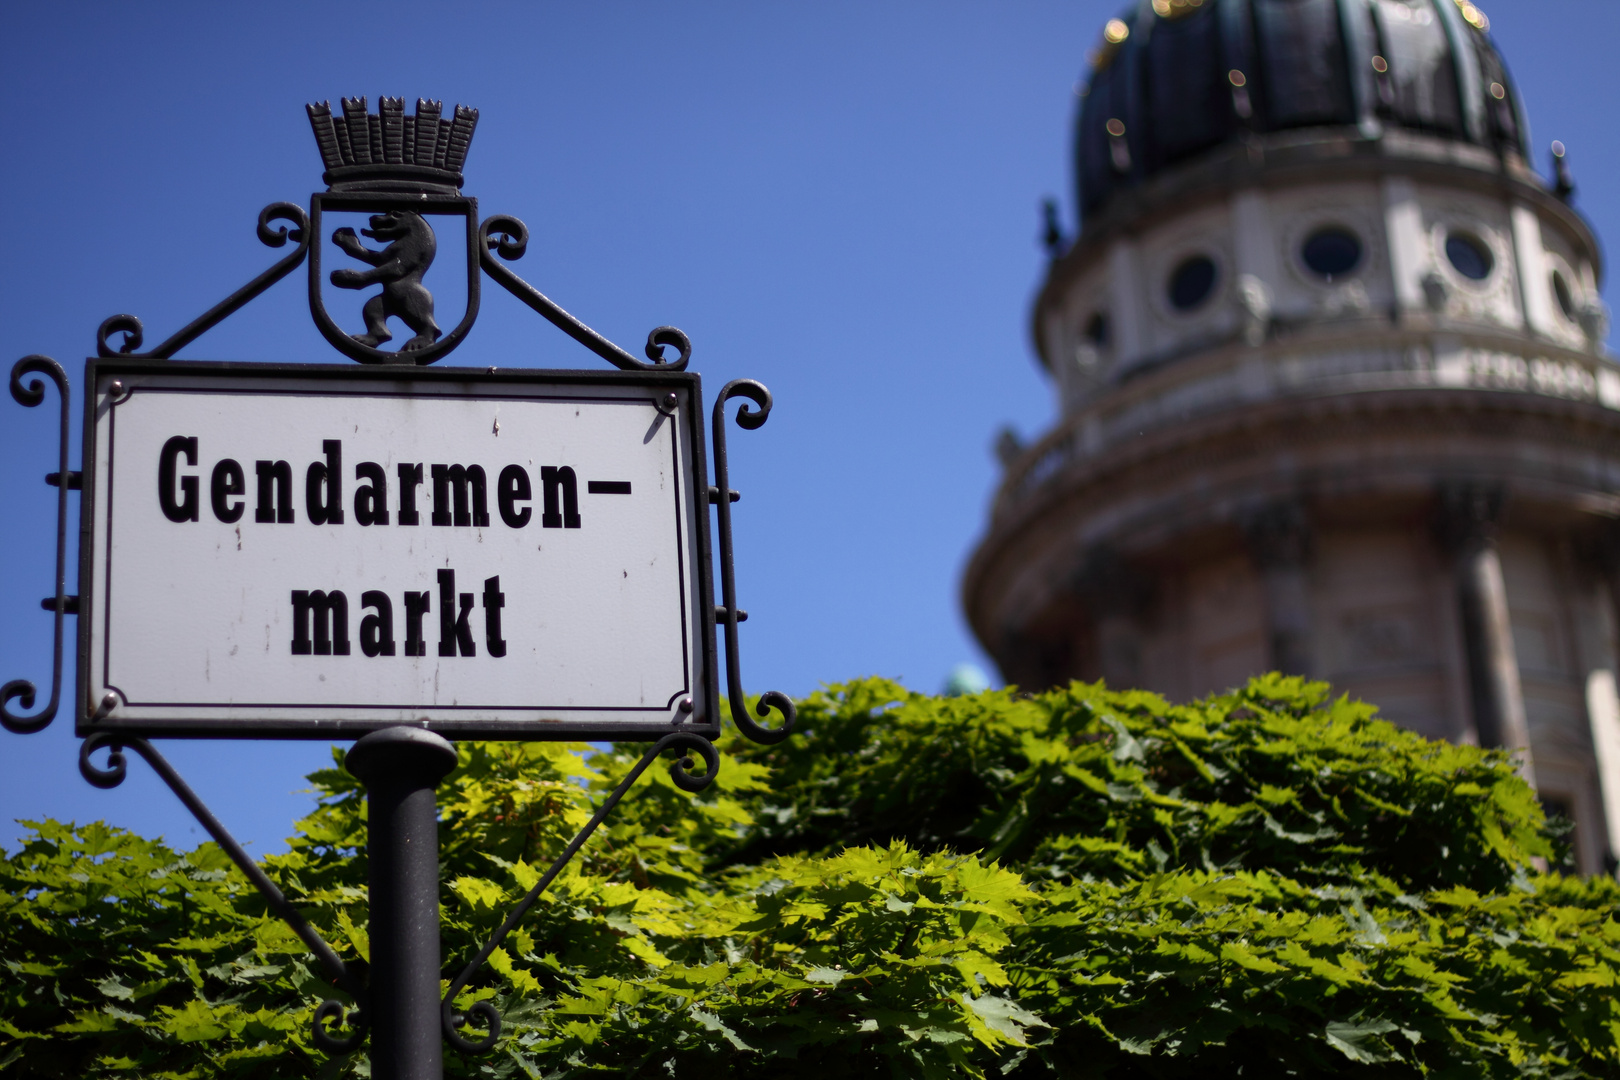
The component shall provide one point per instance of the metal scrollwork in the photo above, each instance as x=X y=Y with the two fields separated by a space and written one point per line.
x=337 y=1012
x=675 y=339
x=29 y=395
x=680 y=771
x=481 y=1011
x=129 y=326
x=506 y=236
x=270 y=236
x=727 y=614
x=117 y=767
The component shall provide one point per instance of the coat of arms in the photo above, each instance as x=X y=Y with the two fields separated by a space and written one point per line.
x=402 y=171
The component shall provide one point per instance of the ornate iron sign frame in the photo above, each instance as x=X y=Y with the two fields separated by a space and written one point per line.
x=398 y=167
x=672 y=393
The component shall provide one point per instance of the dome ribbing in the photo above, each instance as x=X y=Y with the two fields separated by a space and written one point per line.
x=1177 y=78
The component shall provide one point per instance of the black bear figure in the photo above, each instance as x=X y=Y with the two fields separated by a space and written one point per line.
x=398 y=269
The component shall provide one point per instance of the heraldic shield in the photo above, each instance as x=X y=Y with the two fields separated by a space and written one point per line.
x=402 y=174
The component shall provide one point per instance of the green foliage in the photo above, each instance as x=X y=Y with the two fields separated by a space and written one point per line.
x=1077 y=883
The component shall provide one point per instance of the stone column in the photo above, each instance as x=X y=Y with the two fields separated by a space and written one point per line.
x=1601 y=650
x=1468 y=521
x=1127 y=307
x=1254 y=250
x=1279 y=540
x=1595 y=642
x=1404 y=236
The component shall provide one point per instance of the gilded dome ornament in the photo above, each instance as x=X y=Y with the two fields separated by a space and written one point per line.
x=1175 y=9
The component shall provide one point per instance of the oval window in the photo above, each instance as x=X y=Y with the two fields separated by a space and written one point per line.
x=1331 y=252
x=1469 y=255
x=1097 y=330
x=1566 y=299
x=1192 y=282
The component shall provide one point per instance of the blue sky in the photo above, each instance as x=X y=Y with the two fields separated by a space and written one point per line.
x=838 y=199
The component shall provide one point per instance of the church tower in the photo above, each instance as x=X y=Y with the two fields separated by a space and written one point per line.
x=1334 y=394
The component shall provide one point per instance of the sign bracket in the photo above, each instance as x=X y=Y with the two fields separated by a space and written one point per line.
x=679 y=771
x=727 y=614
x=338 y=973
x=131 y=327
x=505 y=235
x=29 y=396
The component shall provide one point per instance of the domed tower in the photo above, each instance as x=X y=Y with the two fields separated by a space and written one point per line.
x=1335 y=399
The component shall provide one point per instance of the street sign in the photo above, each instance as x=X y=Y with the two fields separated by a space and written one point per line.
x=310 y=551
x=393 y=553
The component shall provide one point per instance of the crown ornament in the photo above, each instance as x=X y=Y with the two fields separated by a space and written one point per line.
x=390 y=151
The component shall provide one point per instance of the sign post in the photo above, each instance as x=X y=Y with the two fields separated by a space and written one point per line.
x=400 y=767
x=395 y=553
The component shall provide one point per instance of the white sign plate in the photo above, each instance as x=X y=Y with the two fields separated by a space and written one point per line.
x=318 y=552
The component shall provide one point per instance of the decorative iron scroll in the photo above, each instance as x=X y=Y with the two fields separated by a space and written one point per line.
x=61 y=604
x=727 y=613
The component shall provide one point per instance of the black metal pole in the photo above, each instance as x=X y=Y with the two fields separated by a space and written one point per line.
x=401 y=767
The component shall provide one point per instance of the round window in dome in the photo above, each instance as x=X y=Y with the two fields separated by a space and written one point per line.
x=1192 y=282
x=1469 y=255
x=1331 y=252
x=1565 y=298
x=1097 y=330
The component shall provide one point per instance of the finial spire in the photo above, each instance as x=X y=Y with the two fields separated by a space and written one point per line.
x=1563 y=183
